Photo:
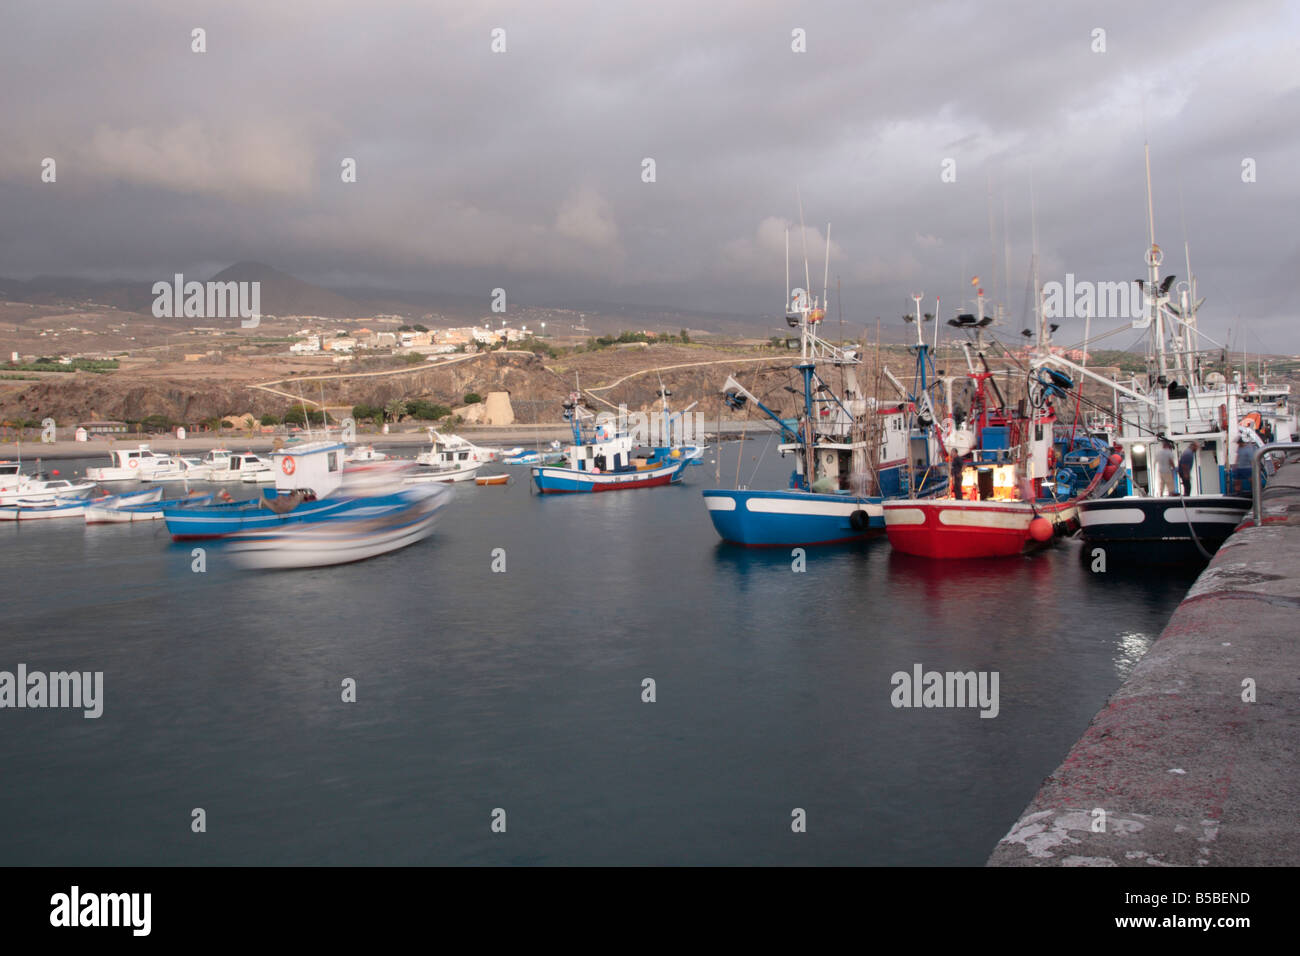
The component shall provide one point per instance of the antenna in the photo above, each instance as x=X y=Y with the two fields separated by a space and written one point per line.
x=826 y=278
x=803 y=238
x=787 y=270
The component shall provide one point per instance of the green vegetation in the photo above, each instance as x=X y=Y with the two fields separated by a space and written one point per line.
x=48 y=364
x=269 y=419
x=297 y=416
x=472 y=398
x=426 y=411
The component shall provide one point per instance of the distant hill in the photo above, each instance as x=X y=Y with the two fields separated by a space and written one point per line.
x=282 y=294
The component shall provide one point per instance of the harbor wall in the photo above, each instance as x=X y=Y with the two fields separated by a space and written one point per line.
x=1195 y=760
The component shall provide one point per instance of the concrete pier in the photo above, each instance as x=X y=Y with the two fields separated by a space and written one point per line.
x=1195 y=760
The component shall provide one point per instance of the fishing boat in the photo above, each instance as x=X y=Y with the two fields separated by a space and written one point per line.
x=185 y=469
x=533 y=456
x=601 y=459
x=39 y=487
x=850 y=451
x=126 y=512
x=449 y=458
x=305 y=479
x=492 y=480
x=131 y=464
x=1215 y=419
x=369 y=527
x=73 y=507
x=360 y=453
x=693 y=454
x=1029 y=475
x=245 y=467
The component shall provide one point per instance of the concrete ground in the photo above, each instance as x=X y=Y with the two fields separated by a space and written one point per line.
x=1187 y=772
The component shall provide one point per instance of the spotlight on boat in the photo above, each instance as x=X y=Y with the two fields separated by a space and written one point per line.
x=1164 y=286
x=1139 y=451
x=1026 y=333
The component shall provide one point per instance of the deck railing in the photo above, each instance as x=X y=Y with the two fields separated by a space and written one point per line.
x=1256 y=479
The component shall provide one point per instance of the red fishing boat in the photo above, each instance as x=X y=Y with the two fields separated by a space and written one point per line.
x=1029 y=472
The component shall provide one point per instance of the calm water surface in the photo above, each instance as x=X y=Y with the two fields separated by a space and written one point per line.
x=522 y=691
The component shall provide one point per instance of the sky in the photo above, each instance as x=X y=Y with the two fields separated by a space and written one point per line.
x=524 y=168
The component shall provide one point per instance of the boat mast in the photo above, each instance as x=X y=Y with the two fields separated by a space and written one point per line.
x=1154 y=258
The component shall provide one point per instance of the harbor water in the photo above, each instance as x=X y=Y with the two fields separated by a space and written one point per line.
x=500 y=672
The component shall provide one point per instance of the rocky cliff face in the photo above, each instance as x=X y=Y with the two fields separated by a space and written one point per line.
x=536 y=390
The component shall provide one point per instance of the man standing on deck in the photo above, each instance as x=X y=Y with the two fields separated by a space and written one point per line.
x=1166 y=467
x=1185 y=462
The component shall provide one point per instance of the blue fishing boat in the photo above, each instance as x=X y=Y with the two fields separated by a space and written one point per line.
x=602 y=460
x=850 y=451
x=693 y=454
x=308 y=487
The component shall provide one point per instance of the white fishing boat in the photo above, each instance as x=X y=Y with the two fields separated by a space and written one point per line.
x=360 y=453
x=365 y=531
x=42 y=488
x=186 y=469
x=26 y=510
x=450 y=458
x=243 y=467
x=131 y=464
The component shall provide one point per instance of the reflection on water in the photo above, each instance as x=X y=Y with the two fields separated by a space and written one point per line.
x=523 y=690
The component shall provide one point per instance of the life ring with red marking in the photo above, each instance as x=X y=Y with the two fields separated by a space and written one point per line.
x=288 y=466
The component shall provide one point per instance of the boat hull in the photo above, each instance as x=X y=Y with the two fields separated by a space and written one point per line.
x=368 y=529
x=570 y=481
x=186 y=522
x=769 y=519
x=958 y=529
x=1155 y=530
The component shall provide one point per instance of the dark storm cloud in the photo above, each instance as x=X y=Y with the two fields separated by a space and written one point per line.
x=523 y=169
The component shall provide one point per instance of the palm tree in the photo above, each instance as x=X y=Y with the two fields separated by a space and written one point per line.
x=395 y=409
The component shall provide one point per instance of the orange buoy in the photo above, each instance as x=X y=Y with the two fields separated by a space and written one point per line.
x=1040 y=529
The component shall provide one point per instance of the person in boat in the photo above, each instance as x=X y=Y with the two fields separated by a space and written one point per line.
x=1241 y=467
x=958 y=469
x=1185 y=462
x=1166 y=466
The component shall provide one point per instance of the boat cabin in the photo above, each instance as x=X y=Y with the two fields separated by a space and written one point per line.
x=314 y=466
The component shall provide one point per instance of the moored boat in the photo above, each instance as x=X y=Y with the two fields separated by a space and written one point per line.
x=850 y=451
x=73 y=507
x=131 y=464
x=603 y=460
x=449 y=458
x=1020 y=498
x=492 y=480
x=129 y=511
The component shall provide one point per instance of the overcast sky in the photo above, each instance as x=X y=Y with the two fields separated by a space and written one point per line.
x=523 y=169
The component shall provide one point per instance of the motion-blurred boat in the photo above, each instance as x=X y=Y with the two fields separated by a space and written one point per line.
x=369 y=527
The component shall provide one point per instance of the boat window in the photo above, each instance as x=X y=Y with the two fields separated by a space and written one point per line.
x=463 y=455
x=332 y=461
